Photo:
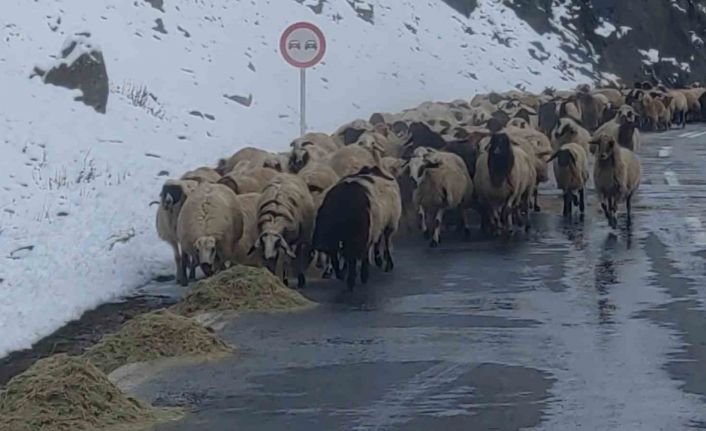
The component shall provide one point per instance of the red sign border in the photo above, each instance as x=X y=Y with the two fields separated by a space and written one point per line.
x=297 y=26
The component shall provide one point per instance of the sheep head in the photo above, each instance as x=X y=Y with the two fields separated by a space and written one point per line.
x=271 y=243
x=171 y=194
x=627 y=115
x=206 y=249
x=298 y=159
x=605 y=147
x=500 y=158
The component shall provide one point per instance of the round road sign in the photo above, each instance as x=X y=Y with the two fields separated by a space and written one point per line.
x=303 y=45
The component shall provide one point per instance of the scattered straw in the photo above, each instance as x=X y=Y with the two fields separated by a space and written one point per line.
x=64 y=393
x=155 y=335
x=240 y=288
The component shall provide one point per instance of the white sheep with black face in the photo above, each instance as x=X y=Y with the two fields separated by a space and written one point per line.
x=623 y=129
x=172 y=197
x=569 y=130
x=505 y=180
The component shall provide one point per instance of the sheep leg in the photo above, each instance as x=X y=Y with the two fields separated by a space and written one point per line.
x=364 y=270
x=336 y=263
x=181 y=273
x=466 y=224
x=567 y=205
x=352 y=263
x=389 y=263
x=423 y=222
x=628 y=205
x=327 y=266
x=536 y=200
x=301 y=265
x=582 y=205
x=436 y=237
x=378 y=255
x=177 y=260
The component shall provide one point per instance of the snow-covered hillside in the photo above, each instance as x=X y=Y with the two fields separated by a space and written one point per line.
x=76 y=228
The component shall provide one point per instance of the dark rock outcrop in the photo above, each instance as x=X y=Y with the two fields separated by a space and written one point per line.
x=81 y=66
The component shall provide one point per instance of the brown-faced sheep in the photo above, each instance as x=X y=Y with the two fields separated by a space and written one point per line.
x=571 y=174
x=616 y=175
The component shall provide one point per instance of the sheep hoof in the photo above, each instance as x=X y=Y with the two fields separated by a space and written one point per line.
x=537 y=208
x=301 y=281
x=434 y=243
x=327 y=274
x=285 y=281
x=378 y=261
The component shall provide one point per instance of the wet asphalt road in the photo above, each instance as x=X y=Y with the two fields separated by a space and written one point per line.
x=574 y=327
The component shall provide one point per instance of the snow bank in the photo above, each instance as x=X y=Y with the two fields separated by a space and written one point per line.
x=76 y=228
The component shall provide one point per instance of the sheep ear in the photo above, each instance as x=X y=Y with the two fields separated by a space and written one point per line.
x=287 y=249
x=431 y=164
x=554 y=156
x=258 y=244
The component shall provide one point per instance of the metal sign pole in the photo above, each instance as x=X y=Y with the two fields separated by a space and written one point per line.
x=302 y=100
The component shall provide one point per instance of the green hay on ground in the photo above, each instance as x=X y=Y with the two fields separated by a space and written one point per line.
x=64 y=393
x=240 y=288
x=155 y=335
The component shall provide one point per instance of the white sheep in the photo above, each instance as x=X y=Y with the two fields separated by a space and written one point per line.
x=209 y=228
x=253 y=180
x=310 y=147
x=443 y=183
x=245 y=158
x=571 y=174
x=351 y=159
x=202 y=174
x=616 y=175
x=286 y=222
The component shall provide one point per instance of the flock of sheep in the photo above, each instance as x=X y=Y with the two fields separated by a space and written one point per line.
x=338 y=200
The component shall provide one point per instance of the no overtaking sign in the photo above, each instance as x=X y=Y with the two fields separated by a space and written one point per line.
x=303 y=45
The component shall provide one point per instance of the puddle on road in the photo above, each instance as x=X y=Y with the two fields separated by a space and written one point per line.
x=685 y=315
x=405 y=396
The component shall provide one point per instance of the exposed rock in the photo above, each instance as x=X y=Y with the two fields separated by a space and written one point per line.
x=159 y=26
x=81 y=66
x=157 y=4
x=466 y=7
x=245 y=101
